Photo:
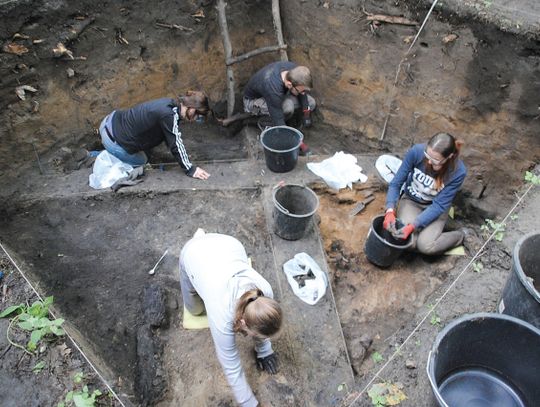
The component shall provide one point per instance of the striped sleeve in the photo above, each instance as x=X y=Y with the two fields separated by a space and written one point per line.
x=173 y=138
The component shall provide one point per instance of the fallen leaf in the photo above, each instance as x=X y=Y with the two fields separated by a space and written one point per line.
x=22 y=36
x=21 y=91
x=326 y=5
x=408 y=39
x=198 y=14
x=449 y=38
x=16 y=49
x=61 y=50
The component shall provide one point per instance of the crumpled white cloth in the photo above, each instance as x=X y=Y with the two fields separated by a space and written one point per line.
x=339 y=171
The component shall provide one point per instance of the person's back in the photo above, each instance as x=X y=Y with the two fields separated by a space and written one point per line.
x=267 y=82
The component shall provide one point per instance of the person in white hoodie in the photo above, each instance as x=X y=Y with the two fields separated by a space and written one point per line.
x=216 y=277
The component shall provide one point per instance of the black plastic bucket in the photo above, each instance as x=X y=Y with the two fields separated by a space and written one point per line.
x=281 y=147
x=294 y=206
x=381 y=248
x=520 y=298
x=486 y=359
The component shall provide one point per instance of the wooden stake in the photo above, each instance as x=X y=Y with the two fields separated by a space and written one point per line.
x=276 y=15
x=222 y=17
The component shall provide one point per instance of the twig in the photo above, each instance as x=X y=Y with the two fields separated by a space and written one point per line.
x=391 y=19
x=13 y=343
x=6 y=351
x=174 y=26
x=38 y=160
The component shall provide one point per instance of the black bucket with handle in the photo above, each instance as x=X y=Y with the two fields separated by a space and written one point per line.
x=294 y=206
x=521 y=297
x=281 y=147
x=486 y=359
x=381 y=248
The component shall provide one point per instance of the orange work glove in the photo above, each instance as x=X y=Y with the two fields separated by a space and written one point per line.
x=404 y=232
x=389 y=219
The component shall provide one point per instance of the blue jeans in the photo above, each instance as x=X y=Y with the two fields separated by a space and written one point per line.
x=115 y=149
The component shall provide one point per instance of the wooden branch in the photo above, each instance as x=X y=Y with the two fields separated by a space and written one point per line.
x=228 y=55
x=174 y=26
x=255 y=52
x=276 y=15
x=390 y=19
x=235 y=118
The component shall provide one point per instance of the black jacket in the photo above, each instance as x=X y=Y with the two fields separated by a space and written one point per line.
x=146 y=125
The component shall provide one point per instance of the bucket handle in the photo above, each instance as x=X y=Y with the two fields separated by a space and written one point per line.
x=279 y=206
x=433 y=385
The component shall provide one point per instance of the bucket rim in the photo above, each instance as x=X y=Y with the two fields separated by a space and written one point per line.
x=430 y=365
x=279 y=207
x=386 y=242
x=519 y=270
x=281 y=127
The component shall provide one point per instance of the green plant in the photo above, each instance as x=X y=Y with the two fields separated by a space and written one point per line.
x=477 y=267
x=493 y=227
x=377 y=357
x=514 y=216
x=435 y=319
x=386 y=394
x=35 y=319
x=38 y=367
x=532 y=178
x=82 y=397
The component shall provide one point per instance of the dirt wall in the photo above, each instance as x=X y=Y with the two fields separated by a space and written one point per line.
x=482 y=86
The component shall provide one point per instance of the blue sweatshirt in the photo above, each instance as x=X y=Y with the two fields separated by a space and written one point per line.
x=419 y=186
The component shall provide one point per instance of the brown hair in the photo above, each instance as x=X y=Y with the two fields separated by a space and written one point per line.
x=300 y=76
x=195 y=99
x=261 y=314
x=446 y=145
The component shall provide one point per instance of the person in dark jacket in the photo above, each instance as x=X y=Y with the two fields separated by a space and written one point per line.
x=128 y=134
x=278 y=90
x=428 y=180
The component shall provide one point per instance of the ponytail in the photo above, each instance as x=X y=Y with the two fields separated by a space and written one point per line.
x=261 y=314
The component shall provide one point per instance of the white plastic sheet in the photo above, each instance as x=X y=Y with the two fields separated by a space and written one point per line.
x=339 y=171
x=107 y=170
x=314 y=288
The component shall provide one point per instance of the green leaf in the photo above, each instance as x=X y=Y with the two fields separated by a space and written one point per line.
x=48 y=301
x=78 y=377
x=38 y=367
x=36 y=335
x=61 y=404
x=377 y=357
x=31 y=346
x=57 y=331
x=69 y=396
x=10 y=310
x=28 y=325
x=58 y=321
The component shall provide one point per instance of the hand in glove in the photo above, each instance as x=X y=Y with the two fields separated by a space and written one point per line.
x=268 y=363
x=389 y=222
x=404 y=232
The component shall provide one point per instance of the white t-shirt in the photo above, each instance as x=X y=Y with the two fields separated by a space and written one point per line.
x=218 y=268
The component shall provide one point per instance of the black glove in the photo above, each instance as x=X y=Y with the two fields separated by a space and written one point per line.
x=268 y=363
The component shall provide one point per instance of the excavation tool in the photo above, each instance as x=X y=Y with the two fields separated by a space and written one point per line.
x=153 y=269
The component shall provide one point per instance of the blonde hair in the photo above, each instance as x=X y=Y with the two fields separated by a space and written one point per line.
x=261 y=314
x=300 y=76
x=195 y=99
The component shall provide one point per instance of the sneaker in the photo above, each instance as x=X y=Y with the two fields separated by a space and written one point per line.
x=304 y=149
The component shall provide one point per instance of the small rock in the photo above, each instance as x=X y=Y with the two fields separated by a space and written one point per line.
x=366 y=341
x=261 y=31
x=410 y=364
x=70 y=73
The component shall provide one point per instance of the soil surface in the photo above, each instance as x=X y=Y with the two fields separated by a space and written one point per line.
x=92 y=249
